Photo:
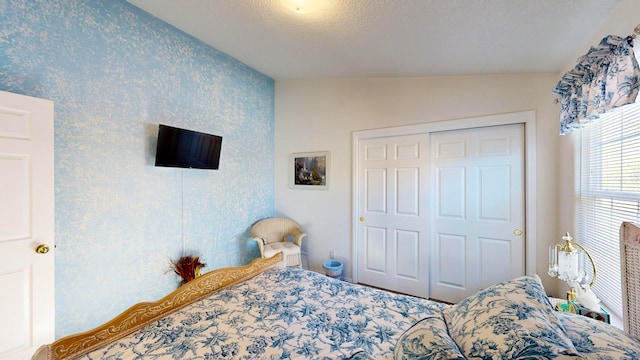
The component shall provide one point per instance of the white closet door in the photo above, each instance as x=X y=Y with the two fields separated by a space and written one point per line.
x=392 y=231
x=477 y=233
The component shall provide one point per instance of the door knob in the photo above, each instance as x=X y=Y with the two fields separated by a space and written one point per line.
x=518 y=232
x=42 y=249
x=361 y=218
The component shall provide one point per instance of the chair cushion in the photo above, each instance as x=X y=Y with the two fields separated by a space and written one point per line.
x=286 y=247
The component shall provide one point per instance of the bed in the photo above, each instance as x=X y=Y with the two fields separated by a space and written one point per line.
x=266 y=311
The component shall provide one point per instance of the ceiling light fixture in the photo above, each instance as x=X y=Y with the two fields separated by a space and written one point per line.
x=306 y=7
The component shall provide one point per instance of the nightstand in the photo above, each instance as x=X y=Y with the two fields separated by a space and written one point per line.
x=575 y=308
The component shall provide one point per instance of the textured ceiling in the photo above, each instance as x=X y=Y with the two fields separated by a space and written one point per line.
x=389 y=38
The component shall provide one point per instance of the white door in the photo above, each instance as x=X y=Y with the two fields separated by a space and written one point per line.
x=26 y=222
x=477 y=230
x=392 y=231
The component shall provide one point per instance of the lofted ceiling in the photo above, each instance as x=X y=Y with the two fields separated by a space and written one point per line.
x=311 y=39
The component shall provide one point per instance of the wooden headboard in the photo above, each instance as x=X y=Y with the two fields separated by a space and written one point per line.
x=139 y=315
x=630 y=267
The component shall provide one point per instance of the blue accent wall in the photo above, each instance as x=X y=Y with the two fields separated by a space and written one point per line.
x=114 y=73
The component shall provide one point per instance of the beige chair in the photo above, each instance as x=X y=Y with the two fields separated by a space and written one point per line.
x=272 y=235
x=630 y=264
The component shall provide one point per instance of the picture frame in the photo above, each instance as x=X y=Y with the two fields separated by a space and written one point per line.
x=310 y=170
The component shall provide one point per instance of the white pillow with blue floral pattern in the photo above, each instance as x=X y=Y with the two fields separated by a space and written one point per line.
x=510 y=320
x=427 y=339
x=596 y=340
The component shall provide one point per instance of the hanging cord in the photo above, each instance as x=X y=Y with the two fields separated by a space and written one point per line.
x=182 y=210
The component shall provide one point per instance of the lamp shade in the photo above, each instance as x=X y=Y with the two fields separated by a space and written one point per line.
x=570 y=267
x=566 y=261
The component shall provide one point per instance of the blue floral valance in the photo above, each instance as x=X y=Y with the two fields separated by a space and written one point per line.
x=608 y=76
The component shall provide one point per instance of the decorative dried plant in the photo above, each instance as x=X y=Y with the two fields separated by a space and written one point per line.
x=188 y=267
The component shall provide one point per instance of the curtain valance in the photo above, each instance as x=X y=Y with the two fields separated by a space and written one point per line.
x=608 y=76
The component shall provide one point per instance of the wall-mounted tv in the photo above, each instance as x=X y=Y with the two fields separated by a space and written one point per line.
x=187 y=148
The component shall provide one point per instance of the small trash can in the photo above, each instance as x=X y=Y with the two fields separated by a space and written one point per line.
x=333 y=268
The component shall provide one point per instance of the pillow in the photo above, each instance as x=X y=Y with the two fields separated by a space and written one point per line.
x=427 y=339
x=598 y=340
x=510 y=320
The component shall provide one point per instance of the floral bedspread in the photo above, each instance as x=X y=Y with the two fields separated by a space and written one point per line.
x=279 y=314
x=298 y=314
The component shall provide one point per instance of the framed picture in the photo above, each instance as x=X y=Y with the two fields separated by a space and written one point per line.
x=309 y=170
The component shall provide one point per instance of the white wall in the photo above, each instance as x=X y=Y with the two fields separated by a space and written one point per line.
x=316 y=115
x=621 y=22
x=321 y=114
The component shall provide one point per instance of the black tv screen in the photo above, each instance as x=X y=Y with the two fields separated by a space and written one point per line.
x=187 y=148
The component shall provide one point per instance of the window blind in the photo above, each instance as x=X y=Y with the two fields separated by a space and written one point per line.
x=609 y=194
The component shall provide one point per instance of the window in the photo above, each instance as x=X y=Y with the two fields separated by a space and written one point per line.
x=609 y=194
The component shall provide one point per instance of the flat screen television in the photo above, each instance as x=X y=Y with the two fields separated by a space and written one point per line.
x=187 y=148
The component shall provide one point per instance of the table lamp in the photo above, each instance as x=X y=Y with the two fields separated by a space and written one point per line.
x=566 y=262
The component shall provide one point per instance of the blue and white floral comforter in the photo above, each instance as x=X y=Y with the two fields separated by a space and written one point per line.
x=279 y=314
x=297 y=314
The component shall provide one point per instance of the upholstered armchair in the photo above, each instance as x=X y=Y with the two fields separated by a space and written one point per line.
x=273 y=235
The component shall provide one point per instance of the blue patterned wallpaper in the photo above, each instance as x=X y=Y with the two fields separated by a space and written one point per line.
x=114 y=72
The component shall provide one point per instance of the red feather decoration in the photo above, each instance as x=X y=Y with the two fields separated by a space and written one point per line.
x=187 y=267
